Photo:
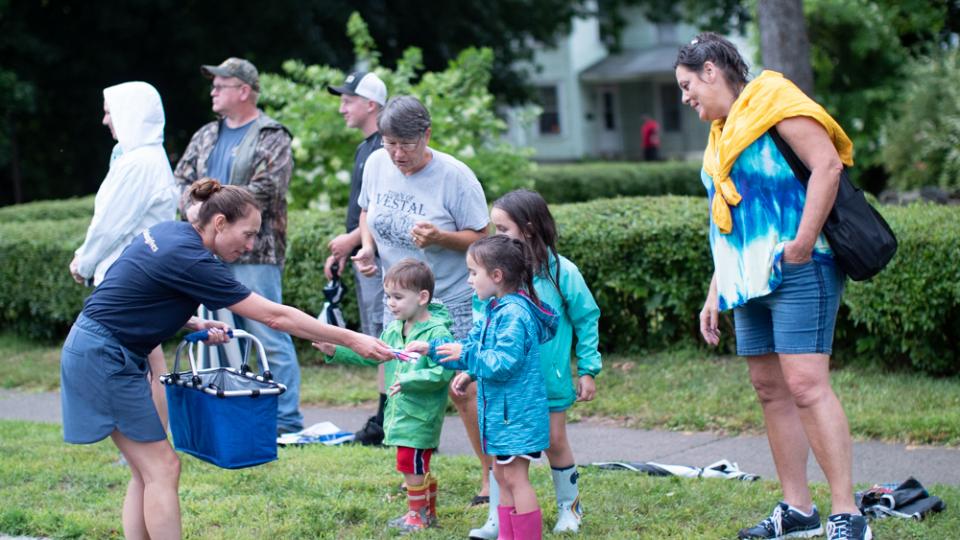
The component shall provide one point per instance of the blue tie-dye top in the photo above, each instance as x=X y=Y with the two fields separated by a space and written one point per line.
x=747 y=260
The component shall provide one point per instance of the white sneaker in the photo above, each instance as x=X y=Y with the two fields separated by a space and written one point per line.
x=569 y=517
x=489 y=531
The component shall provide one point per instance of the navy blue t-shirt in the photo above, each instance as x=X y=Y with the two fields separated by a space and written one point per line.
x=158 y=282
x=221 y=157
x=367 y=147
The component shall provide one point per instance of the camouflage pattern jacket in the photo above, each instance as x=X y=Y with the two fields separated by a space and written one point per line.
x=263 y=164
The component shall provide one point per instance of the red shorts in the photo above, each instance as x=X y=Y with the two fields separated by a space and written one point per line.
x=413 y=460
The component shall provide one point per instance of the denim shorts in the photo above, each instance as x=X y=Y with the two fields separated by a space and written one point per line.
x=798 y=317
x=103 y=387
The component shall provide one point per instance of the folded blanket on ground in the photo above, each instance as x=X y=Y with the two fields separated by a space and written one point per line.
x=720 y=469
x=323 y=432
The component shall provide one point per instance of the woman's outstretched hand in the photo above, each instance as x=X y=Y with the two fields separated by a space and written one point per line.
x=371 y=347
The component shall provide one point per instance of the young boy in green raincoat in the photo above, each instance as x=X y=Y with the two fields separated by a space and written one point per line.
x=414 y=413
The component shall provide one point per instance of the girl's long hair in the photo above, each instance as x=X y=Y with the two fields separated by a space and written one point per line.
x=513 y=257
x=529 y=211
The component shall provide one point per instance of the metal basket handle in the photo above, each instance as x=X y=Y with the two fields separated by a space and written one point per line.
x=190 y=340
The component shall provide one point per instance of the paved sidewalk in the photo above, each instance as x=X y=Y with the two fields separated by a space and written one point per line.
x=592 y=441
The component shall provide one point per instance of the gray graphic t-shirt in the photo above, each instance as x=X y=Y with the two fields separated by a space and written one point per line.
x=445 y=192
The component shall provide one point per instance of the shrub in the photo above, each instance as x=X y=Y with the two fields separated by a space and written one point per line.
x=38 y=298
x=579 y=182
x=303 y=277
x=909 y=315
x=78 y=207
x=923 y=143
x=645 y=259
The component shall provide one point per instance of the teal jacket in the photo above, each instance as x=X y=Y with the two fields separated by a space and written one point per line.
x=502 y=352
x=578 y=316
x=413 y=417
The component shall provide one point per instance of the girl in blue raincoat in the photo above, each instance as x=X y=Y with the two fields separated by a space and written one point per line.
x=502 y=353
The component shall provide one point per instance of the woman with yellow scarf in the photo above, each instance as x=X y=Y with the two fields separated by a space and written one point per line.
x=774 y=268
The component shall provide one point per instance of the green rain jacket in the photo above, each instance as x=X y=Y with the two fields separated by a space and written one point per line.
x=414 y=416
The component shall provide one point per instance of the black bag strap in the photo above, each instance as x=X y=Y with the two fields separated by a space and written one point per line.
x=800 y=170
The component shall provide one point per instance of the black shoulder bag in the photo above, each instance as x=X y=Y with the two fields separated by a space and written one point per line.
x=860 y=238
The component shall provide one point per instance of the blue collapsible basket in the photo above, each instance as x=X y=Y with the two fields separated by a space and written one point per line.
x=224 y=416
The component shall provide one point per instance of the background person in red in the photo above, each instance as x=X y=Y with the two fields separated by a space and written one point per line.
x=650 y=131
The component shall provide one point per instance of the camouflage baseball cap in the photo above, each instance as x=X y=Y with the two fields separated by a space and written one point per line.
x=234 y=67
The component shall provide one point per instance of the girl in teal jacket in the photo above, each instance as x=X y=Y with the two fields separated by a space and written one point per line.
x=524 y=215
x=502 y=353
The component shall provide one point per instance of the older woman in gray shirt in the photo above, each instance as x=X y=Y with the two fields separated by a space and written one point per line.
x=422 y=203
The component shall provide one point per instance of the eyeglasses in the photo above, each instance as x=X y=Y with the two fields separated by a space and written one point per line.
x=219 y=87
x=405 y=146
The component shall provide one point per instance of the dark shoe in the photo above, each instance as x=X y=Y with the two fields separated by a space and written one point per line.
x=371 y=434
x=847 y=527
x=283 y=430
x=480 y=500
x=785 y=523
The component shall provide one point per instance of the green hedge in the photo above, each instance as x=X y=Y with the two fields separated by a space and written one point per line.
x=38 y=298
x=646 y=259
x=78 y=207
x=581 y=182
x=909 y=315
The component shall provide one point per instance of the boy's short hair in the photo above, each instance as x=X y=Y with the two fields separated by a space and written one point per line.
x=412 y=275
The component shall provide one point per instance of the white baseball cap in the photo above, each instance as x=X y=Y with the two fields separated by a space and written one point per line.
x=363 y=84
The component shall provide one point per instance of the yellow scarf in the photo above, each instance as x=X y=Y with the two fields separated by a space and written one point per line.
x=764 y=102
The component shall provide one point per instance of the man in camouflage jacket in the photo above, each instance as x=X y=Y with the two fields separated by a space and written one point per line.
x=245 y=147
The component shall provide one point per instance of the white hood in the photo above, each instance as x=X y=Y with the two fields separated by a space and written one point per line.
x=137 y=114
x=139 y=190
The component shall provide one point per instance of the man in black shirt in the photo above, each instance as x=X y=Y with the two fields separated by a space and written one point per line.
x=362 y=95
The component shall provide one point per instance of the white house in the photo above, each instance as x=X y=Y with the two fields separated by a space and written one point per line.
x=593 y=101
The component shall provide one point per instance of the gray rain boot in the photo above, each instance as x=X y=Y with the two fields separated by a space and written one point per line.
x=569 y=512
x=491 y=528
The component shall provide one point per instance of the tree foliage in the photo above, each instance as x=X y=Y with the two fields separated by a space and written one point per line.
x=860 y=53
x=67 y=52
x=717 y=15
x=461 y=107
x=922 y=146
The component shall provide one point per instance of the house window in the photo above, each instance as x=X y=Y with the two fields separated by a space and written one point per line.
x=609 y=117
x=670 y=105
x=550 y=117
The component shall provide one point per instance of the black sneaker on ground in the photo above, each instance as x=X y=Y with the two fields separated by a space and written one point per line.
x=784 y=522
x=371 y=434
x=848 y=527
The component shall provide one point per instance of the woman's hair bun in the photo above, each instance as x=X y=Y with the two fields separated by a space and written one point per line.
x=202 y=189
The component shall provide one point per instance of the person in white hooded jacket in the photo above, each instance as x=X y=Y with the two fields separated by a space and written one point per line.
x=138 y=192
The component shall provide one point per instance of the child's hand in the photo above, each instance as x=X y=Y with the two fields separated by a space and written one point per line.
x=460 y=383
x=420 y=347
x=328 y=349
x=449 y=352
x=586 y=388
x=394 y=389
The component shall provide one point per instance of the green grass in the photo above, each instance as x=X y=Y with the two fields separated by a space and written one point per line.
x=53 y=489
x=682 y=390
x=28 y=365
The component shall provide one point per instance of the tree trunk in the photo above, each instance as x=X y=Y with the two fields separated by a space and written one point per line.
x=783 y=41
x=15 y=175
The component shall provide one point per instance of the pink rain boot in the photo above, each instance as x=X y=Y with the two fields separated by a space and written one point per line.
x=527 y=526
x=506 y=530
